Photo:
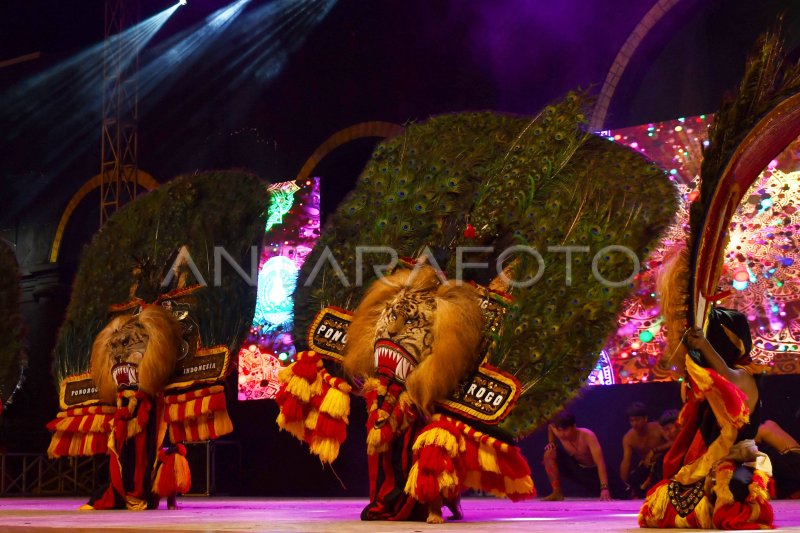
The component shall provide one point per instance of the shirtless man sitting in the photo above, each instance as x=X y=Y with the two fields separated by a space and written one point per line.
x=644 y=439
x=575 y=453
x=655 y=458
x=783 y=451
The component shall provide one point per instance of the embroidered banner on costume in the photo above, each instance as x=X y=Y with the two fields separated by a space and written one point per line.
x=207 y=365
x=78 y=390
x=328 y=333
x=487 y=395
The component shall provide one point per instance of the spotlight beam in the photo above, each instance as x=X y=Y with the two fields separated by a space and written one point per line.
x=178 y=55
x=60 y=100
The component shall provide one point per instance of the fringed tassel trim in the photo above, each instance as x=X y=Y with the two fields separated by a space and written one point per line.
x=326 y=423
x=173 y=475
x=492 y=465
x=314 y=406
x=654 y=508
x=84 y=411
x=728 y=404
x=753 y=513
x=131 y=415
x=302 y=378
x=327 y=436
x=435 y=472
x=658 y=511
x=390 y=413
x=294 y=428
x=80 y=431
x=336 y=402
x=197 y=415
x=441 y=435
x=294 y=394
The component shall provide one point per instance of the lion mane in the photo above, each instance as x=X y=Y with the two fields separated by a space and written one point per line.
x=457 y=329
x=161 y=354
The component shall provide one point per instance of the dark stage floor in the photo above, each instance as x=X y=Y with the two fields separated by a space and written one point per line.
x=314 y=515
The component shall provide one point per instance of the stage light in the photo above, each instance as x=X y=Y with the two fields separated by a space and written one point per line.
x=277 y=279
x=646 y=336
x=183 y=2
x=741 y=275
x=740 y=285
x=62 y=96
x=276 y=284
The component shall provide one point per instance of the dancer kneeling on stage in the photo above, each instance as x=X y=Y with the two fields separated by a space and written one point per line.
x=715 y=475
x=576 y=454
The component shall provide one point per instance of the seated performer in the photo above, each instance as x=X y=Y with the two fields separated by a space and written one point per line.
x=641 y=440
x=715 y=475
x=655 y=457
x=669 y=425
x=576 y=453
x=783 y=451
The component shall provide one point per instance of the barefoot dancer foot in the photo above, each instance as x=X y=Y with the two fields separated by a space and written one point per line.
x=455 y=507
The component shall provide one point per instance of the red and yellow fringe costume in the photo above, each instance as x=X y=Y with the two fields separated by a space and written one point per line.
x=695 y=490
x=132 y=433
x=411 y=462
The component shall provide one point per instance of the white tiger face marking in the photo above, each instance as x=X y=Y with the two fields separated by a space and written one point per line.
x=127 y=347
x=404 y=333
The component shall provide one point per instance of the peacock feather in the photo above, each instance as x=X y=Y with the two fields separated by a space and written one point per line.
x=205 y=212
x=11 y=324
x=535 y=182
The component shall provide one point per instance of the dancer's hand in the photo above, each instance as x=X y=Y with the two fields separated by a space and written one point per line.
x=648 y=459
x=605 y=496
x=696 y=340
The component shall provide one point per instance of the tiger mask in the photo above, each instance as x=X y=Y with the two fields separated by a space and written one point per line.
x=136 y=352
x=418 y=330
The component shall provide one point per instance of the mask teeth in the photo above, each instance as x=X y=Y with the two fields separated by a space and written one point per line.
x=130 y=372
x=402 y=365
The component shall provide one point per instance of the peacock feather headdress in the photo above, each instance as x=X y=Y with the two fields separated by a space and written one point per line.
x=470 y=187
x=209 y=214
x=11 y=324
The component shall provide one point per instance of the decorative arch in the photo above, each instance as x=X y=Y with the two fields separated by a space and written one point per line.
x=356 y=131
x=143 y=178
x=653 y=17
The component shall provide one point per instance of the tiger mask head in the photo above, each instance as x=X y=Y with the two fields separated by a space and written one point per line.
x=416 y=329
x=136 y=352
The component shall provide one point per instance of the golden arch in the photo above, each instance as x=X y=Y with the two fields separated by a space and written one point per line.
x=144 y=179
x=356 y=131
x=650 y=20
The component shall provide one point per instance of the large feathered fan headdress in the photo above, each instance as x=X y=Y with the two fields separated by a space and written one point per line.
x=529 y=191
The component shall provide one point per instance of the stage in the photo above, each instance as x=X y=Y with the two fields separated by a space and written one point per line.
x=316 y=515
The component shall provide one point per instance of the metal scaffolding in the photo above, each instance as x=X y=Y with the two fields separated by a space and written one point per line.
x=33 y=474
x=119 y=145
